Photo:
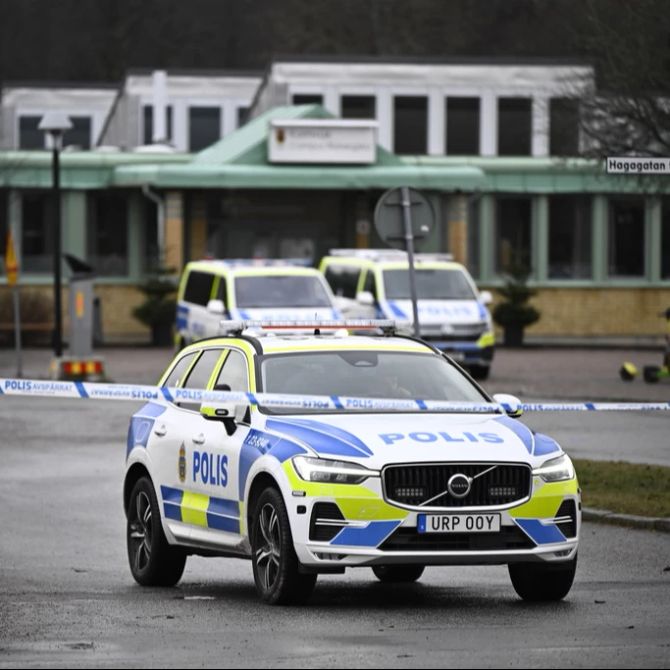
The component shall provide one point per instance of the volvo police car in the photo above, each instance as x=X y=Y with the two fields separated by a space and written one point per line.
x=311 y=488
x=453 y=314
x=253 y=289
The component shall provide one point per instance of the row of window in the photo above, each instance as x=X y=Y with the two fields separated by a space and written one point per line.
x=570 y=238
x=410 y=125
x=204 y=128
x=463 y=121
x=107 y=233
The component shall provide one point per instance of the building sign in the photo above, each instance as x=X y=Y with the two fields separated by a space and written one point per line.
x=338 y=141
x=631 y=165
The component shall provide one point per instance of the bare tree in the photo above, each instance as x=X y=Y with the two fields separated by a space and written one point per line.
x=628 y=112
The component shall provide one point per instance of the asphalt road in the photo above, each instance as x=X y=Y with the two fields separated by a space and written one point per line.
x=67 y=598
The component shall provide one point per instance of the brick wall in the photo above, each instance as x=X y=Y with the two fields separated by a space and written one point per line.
x=603 y=312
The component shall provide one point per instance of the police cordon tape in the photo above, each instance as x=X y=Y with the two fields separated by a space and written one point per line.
x=142 y=393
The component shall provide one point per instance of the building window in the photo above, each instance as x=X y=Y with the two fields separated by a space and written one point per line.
x=30 y=136
x=204 y=127
x=307 y=99
x=107 y=234
x=569 y=237
x=514 y=126
x=462 y=126
x=242 y=116
x=410 y=131
x=80 y=134
x=37 y=238
x=665 y=240
x=148 y=117
x=626 y=239
x=563 y=127
x=513 y=234
x=358 y=107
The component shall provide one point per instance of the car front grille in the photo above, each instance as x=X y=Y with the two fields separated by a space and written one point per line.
x=425 y=485
x=408 y=539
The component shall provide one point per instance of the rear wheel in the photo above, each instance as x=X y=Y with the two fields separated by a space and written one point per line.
x=398 y=574
x=650 y=373
x=275 y=564
x=479 y=372
x=543 y=581
x=153 y=562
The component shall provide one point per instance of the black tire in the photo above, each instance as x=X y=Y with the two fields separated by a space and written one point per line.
x=539 y=582
x=479 y=372
x=275 y=564
x=650 y=373
x=153 y=562
x=398 y=574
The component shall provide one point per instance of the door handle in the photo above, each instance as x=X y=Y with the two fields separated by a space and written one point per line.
x=161 y=431
x=199 y=439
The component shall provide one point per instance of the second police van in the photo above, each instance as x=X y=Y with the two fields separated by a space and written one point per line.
x=250 y=289
x=453 y=314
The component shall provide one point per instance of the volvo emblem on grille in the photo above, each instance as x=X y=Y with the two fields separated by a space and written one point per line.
x=459 y=485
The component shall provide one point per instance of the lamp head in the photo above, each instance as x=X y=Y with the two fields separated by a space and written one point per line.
x=55 y=123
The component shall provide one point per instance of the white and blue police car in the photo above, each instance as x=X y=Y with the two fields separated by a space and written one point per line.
x=320 y=488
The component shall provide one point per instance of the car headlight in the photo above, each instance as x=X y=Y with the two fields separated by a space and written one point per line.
x=331 y=472
x=556 y=470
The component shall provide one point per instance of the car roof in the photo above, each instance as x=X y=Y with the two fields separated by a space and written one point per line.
x=222 y=268
x=271 y=343
x=393 y=264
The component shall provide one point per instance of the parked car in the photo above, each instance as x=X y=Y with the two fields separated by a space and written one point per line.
x=308 y=490
x=210 y=291
x=453 y=314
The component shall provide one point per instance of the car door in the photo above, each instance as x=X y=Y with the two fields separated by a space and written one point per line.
x=210 y=503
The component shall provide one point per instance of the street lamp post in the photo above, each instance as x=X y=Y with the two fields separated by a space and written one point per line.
x=55 y=124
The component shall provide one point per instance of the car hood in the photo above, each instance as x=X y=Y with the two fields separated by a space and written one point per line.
x=376 y=440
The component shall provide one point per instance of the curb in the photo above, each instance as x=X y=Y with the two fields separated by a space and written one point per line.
x=630 y=520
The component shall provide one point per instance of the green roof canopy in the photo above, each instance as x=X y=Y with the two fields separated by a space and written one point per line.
x=240 y=161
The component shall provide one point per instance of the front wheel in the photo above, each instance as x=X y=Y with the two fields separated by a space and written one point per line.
x=153 y=562
x=398 y=574
x=543 y=581
x=275 y=564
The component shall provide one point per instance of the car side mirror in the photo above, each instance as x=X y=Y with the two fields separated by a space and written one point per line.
x=229 y=413
x=216 y=307
x=485 y=297
x=365 y=298
x=511 y=402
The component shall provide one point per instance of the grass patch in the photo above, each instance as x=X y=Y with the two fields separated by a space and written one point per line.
x=626 y=488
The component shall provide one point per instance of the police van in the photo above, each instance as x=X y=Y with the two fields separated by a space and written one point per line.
x=453 y=314
x=249 y=289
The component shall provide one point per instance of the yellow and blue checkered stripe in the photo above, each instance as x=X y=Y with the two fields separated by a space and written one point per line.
x=202 y=510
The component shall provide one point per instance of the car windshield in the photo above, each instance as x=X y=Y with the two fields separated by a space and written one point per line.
x=430 y=285
x=366 y=374
x=280 y=291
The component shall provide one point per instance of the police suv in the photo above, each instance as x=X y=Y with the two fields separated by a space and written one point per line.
x=453 y=314
x=266 y=289
x=304 y=488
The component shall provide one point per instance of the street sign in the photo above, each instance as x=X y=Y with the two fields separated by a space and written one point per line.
x=390 y=222
x=403 y=216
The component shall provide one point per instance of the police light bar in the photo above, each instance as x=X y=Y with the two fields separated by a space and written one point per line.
x=379 y=255
x=387 y=326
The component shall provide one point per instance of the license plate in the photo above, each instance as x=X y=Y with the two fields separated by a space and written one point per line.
x=458 y=523
x=458 y=356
